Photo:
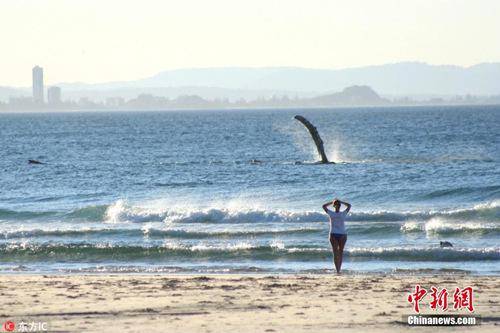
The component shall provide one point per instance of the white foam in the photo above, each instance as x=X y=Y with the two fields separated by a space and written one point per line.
x=444 y=225
x=242 y=211
x=277 y=244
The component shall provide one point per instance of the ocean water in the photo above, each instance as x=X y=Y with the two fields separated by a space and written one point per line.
x=238 y=190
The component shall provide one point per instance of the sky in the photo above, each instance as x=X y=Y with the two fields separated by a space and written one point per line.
x=108 y=40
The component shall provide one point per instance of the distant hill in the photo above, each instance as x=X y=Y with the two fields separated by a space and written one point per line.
x=354 y=95
x=406 y=78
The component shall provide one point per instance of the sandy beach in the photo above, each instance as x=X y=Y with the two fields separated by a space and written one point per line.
x=233 y=303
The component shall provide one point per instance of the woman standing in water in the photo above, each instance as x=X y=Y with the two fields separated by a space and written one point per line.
x=338 y=234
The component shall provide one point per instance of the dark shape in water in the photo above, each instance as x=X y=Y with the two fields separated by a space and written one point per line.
x=445 y=244
x=255 y=161
x=34 y=162
x=317 y=139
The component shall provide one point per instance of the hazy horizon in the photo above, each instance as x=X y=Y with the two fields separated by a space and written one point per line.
x=405 y=79
x=96 y=42
x=161 y=71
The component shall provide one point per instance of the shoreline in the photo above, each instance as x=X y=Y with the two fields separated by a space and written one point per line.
x=405 y=273
x=233 y=302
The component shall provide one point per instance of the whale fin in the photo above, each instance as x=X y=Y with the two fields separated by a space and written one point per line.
x=316 y=138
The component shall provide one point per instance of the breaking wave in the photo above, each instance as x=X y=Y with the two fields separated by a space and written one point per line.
x=442 y=226
x=154 y=233
x=241 y=250
x=120 y=211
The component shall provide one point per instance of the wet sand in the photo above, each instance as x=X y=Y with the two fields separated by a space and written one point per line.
x=234 y=303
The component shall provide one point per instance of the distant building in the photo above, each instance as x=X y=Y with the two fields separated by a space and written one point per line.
x=113 y=102
x=54 y=95
x=86 y=103
x=38 y=85
x=21 y=102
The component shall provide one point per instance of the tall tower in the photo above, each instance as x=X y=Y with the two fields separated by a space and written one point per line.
x=38 y=85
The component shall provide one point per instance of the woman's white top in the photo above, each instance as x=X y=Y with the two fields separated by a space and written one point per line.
x=337 y=222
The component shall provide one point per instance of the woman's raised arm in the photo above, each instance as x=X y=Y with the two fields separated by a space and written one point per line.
x=325 y=206
x=348 y=205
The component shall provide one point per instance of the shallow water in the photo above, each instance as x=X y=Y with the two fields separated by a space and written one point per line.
x=221 y=191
